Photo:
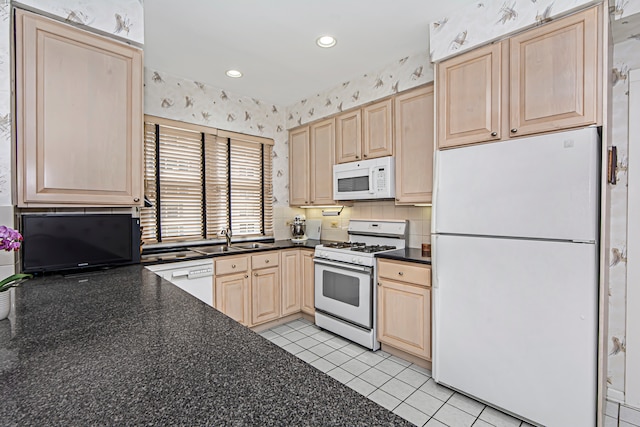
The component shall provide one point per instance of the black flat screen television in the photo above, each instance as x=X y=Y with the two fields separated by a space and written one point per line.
x=58 y=242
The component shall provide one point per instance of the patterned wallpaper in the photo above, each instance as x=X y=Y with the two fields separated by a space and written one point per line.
x=405 y=73
x=5 y=106
x=122 y=18
x=487 y=20
x=196 y=102
x=624 y=8
x=625 y=57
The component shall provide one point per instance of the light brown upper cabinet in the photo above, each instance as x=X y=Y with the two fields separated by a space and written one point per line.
x=469 y=94
x=554 y=75
x=299 y=166
x=541 y=80
x=365 y=133
x=349 y=137
x=311 y=154
x=414 y=145
x=79 y=117
x=377 y=122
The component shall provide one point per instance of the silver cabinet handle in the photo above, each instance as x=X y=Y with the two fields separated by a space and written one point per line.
x=400 y=273
x=514 y=130
x=494 y=133
x=266 y=261
x=136 y=199
x=255 y=274
x=233 y=266
x=246 y=276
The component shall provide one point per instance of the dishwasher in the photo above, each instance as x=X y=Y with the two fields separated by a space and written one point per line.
x=194 y=277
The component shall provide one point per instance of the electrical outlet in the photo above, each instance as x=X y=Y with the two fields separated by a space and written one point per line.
x=334 y=224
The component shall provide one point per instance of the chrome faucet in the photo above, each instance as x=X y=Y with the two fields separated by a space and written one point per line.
x=226 y=232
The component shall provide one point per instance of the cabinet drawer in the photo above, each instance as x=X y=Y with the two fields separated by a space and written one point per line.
x=405 y=272
x=231 y=265
x=269 y=259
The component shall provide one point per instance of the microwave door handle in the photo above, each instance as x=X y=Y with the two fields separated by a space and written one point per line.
x=371 y=172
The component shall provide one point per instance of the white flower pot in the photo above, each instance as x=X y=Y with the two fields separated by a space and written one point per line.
x=5 y=304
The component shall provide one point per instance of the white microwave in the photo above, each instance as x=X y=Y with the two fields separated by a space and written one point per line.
x=366 y=179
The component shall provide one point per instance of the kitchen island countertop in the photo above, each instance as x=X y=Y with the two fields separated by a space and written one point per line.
x=125 y=347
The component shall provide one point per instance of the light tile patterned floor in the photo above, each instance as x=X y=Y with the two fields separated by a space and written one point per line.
x=400 y=386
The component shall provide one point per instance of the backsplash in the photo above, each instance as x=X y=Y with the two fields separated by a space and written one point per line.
x=482 y=21
x=335 y=227
x=624 y=8
x=121 y=18
x=403 y=74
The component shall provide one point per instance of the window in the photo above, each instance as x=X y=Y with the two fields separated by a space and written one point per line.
x=199 y=183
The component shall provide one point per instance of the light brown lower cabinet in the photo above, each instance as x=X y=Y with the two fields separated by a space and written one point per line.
x=265 y=286
x=265 y=295
x=232 y=296
x=308 y=280
x=404 y=307
x=291 y=276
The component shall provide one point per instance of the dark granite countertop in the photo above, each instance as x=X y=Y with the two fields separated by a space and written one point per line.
x=406 y=254
x=125 y=347
x=186 y=254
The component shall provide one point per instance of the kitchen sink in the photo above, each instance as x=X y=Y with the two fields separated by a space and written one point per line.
x=253 y=246
x=208 y=250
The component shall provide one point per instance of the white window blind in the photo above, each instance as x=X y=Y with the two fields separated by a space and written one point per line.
x=148 y=218
x=216 y=155
x=197 y=190
x=181 y=198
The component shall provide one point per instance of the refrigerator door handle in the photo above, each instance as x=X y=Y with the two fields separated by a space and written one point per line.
x=436 y=182
x=434 y=263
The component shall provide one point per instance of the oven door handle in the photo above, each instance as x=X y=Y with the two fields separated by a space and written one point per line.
x=363 y=269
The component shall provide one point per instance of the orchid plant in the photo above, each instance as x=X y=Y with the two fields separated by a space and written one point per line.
x=11 y=240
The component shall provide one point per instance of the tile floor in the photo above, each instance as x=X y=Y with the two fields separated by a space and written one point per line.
x=400 y=386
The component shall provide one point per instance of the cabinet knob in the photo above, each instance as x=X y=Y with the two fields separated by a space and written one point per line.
x=397 y=200
x=306 y=202
x=514 y=130
x=136 y=199
x=400 y=273
x=233 y=266
x=255 y=274
x=357 y=157
x=494 y=133
x=312 y=201
x=266 y=261
x=364 y=155
x=246 y=276
x=379 y=284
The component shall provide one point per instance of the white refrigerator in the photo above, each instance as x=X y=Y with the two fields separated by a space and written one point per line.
x=515 y=275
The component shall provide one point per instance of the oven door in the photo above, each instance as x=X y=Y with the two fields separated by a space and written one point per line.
x=344 y=291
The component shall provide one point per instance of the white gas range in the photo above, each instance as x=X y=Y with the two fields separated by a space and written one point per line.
x=345 y=296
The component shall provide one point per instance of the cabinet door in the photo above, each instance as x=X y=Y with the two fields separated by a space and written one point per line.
x=414 y=146
x=469 y=97
x=378 y=130
x=299 y=166
x=232 y=296
x=349 y=137
x=265 y=295
x=78 y=116
x=553 y=74
x=291 y=274
x=404 y=317
x=308 y=305
x=322 y=146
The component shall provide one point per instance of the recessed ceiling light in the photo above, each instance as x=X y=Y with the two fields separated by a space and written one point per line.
x=326 y=41
x=234 y=73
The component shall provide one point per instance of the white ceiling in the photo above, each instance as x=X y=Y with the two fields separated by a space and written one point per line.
x=273 y=41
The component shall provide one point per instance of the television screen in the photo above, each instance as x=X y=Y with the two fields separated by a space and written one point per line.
x=64 y=242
